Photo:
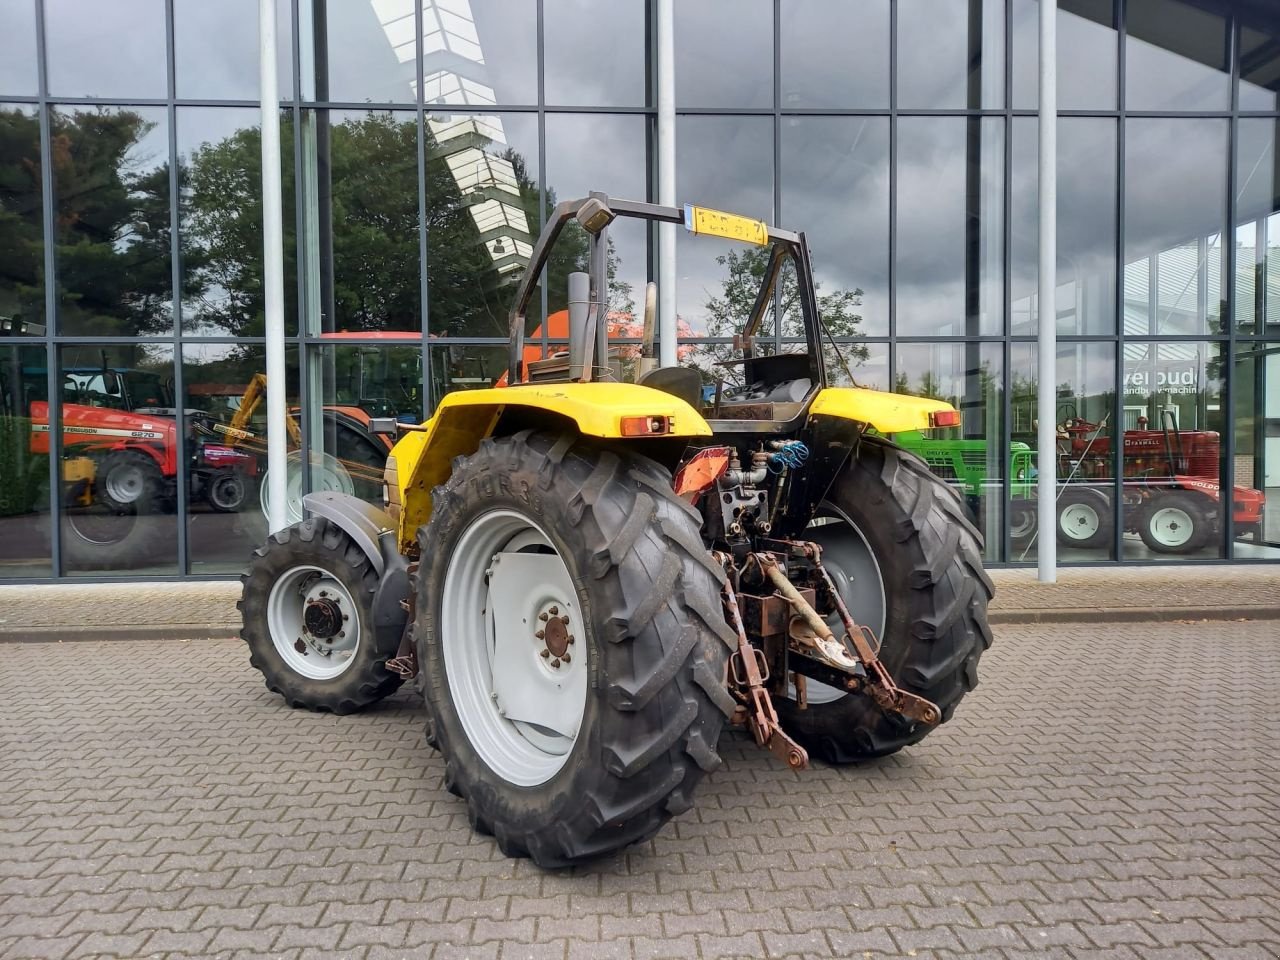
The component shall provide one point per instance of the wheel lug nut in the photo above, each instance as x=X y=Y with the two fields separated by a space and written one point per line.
x=556 y=664
x=545 y=653
x=324 y=593
x=540 y=634
x=553 y=611
x=571 y=639
x=544 y=616
x=566 y=658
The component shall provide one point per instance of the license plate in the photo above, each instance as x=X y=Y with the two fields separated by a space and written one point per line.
x=717 y=223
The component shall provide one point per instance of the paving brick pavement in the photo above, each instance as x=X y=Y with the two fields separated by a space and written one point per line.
x=1104 y=792
x=198 y=609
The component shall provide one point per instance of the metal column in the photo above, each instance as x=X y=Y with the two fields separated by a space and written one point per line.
x=666 y=182
x=1046 y=407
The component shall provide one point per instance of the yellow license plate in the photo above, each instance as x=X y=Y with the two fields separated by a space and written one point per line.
x=717 y=223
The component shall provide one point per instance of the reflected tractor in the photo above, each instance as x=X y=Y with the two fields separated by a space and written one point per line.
x=588 y=579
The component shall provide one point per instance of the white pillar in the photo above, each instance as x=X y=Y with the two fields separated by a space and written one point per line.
x=666 y=182
x=273 y=269
x=1046 y=400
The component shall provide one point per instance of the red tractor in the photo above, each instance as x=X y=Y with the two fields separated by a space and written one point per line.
x=1172 y=494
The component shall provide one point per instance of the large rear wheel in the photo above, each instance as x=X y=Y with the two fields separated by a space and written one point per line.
x=908 y=564
x=573 y=646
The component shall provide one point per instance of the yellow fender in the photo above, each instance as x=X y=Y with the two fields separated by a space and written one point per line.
x=886 y=412
x=423 y=459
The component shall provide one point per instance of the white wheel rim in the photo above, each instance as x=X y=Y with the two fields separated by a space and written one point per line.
x=312 y=655
x=856 y=574
x=1172 y=526
x=1079 y=521
x=327 y=473
x=521 y=709
x=125 y=484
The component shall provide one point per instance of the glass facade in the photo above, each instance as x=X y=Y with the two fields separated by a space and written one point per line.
x=425 y=141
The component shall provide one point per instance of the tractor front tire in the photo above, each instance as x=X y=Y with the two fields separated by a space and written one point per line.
x=129 y=481
x=908 y=563
x=1175 y=522
x=573 y=645
x=307 y=611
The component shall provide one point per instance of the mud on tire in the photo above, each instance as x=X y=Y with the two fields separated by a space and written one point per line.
x=657 y=645
x=323 y=545
x=930 y=561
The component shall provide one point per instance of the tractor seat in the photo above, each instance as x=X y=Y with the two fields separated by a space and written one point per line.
x=684 y=383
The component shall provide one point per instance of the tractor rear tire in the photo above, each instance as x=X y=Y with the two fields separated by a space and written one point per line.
x=891 y=520
x=336 y=663
x=568 y=776
x=129 y=481
x=1175 y=522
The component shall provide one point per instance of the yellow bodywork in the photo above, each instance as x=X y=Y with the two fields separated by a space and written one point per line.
x=423 y=459
x=886 y=412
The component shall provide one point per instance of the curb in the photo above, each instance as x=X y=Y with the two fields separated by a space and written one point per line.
x=1000 y=618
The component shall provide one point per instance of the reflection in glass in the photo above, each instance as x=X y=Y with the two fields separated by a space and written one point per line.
x=1088 y=49
x=725 y=163
x=1173 y=452
x=18 y=48
x=360 y=204
x=358 y=52
x=92 y=53
x=111 y=208
x=835 y=55
x=1257 y=246
x=469 y=367
x=1086 y=293
x=21 y=223
x=724 y=53
x=482 y=218
x=120 y=458
x=950 y=54
x=950 y=226
x=572 y=27
x=216 y=58
x=1256 y=397
x=24 y=461
x=220 y=221
x=225 y=424
x=477 y=52
x=835 y=187
x=1177 y=57
x=1085 y=457
x=1259 y=67
x=969 y=376
x=1173 y=281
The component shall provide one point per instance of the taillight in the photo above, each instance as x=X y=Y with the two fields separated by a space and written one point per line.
x=646 y=426
x=944 y=418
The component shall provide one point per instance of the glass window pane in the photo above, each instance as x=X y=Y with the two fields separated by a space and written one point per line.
x=457 y=366
x=1256 y=396
x=90 y=53
x=220 y=221
x=1259 y=67
x=835 y=187
x=111 y=207
x=1177 y=57
x=357 y=382
x=588 y=152
x=1173 y=453
x=1085 y=458
x=479 y=52
x=216 y=55
x=1257 y=246
x=1087 y=54
x=835 y=55
x=358 y=52
x=21 y=223
x=970 y=377
x=950 y=54
x=18 y=48
x=867 y=362
x=1173 y=262
x=24 y=461
x=573 y=30
x=482 y=218
x=360 y=210
x=725 y=163
x=224 y=388
x=724 y=53
x=120 y=443
x=950 y=255
x=1086 y=294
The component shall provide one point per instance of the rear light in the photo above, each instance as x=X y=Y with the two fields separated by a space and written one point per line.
x=944 y=418
x=701 y=470
x=646 y=426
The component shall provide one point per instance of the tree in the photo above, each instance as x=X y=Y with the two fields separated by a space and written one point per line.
x=728 y=313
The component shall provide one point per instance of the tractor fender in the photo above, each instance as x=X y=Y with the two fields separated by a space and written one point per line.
x=374 y=532
x=886 y=412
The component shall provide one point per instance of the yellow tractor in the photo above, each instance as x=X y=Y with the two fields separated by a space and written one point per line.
x=589 y=578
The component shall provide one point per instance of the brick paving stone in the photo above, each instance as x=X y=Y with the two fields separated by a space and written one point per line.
x=1104 y=792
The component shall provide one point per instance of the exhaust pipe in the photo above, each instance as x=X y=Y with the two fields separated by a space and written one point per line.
x=581 y=343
